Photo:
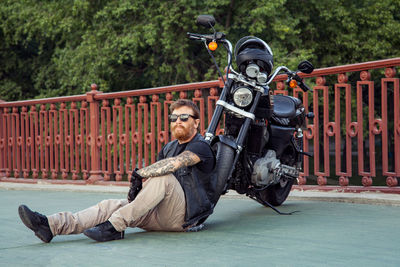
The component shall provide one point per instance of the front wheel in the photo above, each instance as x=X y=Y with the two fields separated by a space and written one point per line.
x=278 y=193
x=224 y=155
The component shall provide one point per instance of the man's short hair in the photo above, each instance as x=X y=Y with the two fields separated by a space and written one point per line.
x=185 y=103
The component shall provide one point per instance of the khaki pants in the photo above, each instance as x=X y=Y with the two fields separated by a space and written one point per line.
x=160 y=206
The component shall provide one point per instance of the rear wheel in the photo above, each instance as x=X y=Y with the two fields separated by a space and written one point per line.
x=278 y=193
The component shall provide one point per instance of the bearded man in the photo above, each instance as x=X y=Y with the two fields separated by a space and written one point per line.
x=174 y=197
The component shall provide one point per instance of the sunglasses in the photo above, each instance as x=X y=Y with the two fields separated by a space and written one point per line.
x=182 y=117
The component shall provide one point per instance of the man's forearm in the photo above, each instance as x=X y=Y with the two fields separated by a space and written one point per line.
x=169 y=165
x=158 y=168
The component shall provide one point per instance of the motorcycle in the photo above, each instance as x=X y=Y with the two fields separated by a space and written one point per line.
x=260 y=153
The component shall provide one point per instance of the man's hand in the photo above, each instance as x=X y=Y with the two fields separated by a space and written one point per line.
x=136 y=185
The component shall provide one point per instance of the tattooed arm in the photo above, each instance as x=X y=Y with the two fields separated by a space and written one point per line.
x=169 y=165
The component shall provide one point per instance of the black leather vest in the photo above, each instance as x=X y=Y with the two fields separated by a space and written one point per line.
x=197 y=186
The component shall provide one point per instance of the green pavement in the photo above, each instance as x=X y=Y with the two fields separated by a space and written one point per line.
x=241 y=232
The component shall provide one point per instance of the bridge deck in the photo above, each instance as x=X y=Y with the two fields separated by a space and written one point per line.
x=241 y=232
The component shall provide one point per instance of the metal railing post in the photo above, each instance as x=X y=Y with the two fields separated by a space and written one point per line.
x=2 y=143
x=95 y=171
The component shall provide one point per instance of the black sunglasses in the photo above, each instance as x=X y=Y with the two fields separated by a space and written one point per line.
x=182 y=117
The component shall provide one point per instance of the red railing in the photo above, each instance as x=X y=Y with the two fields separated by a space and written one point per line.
x=96 y=136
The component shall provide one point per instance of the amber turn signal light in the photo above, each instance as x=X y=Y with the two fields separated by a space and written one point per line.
x=212 y=46
x=293 y=83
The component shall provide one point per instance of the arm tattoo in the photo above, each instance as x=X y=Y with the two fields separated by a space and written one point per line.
x=169 y=165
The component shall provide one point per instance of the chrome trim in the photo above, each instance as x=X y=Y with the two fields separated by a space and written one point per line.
x=239 y=78
x=236 y=110
x=230 y=51
x=299 y=133
x=209 y=136
x=285 y=69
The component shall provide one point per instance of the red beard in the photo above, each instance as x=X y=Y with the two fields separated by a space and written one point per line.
x=180 y=132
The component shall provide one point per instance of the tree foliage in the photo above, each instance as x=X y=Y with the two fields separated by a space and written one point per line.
x=53 y=48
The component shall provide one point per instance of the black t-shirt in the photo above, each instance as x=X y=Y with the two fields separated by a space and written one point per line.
x=201 y=149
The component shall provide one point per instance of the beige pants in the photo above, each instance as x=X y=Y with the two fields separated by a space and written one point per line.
x=160 y=206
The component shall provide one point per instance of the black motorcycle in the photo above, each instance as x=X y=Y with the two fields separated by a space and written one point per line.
x=260 y=153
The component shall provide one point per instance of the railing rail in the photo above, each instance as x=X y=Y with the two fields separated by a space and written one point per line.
x=355 y=134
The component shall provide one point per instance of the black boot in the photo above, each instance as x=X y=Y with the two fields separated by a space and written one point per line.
x=37 y=222
x=104 y=232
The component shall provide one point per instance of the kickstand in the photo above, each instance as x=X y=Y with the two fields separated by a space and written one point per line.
x=267 y=204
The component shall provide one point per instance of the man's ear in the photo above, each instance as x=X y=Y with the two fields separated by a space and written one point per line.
x=196 y=123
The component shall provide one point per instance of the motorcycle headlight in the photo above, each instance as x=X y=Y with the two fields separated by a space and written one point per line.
x=242 y=97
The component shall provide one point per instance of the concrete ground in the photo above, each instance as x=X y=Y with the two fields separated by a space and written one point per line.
x=241 y=232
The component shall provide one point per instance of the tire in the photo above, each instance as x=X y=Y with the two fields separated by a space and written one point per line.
x=277 y=194
x=224 y=155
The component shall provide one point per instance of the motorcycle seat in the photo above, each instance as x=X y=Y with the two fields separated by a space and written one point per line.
x=285 y=106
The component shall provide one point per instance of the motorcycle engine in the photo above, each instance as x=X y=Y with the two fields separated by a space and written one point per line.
x=269 y=170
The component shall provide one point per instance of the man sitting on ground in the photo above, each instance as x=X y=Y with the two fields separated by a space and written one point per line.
x=175 y=195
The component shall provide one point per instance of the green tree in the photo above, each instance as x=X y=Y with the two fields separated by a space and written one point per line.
x=53 y=48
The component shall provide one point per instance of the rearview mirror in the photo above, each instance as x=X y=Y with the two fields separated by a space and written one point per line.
x=207 y=21
x=305 y=67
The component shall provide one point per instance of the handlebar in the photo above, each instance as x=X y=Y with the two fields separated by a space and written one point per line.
x=220 y=38
x=292 y=75
x=200 y=37
x=217 y=37
x=301 y=83
x=304 y=86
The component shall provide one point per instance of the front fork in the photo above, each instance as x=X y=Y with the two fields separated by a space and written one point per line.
x=212 y=127
x=240 y=139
